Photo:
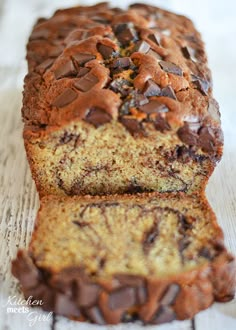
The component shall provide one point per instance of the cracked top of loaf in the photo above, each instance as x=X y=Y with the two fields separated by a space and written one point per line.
x=144 y=67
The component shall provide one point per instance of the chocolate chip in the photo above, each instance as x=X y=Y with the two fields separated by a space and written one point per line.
x=141 y=295
x=81 y=58
x=121 y=86
x=140 y=99
x=213 y=110
x=85 y=83
x=154 y=106
x=163 y=315
x=105 y=50
x=121 y=63
x=122 y=298
x=24 y=269
x=100 y=19
x=187 y=136
x=40 y=34
x=154 y=54
x=201 y=84
x=65 y=306
x=171 y=68
x=42 y=67
x=80 y=224
x=94 y=314
x=55 y=52
x=150 y=237
x=170 y=295
x=65 y=70
x=132 y=125
x=183 y=244
x=161 y=124
x=151 y=89
x=82 y=72
x=155 y=37
x=129 y=280
x=125 y=33
x=185 y=224
x=65 y=98
x=206 y=139
x=205 y=253
x=168 y=92
x=142 y=47
x=87 y=294
x=97 y=117
x=189 y=53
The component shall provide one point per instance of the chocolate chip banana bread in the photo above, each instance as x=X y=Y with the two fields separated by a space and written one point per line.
x=153 y=257
x=119 y=101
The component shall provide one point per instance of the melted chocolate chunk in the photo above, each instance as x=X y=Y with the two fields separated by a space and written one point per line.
x=150 y=237
x=151 y=89
x=161 y=124
x=121 y=86
x=122 y=298
x=141 y=295
x=94 y=314
x=67 y=137
x=183 y=244
x=139 y=99
x=185 y=224
x=171 y=68
x=142 y=47
x=42 y=67
x=122 y=63
x=168 y=92
x=189 y=53
x=87 y=294
x=66 y=70
x=65 y=306
x=170 y=295
x=105 y=51
x=163 y=315
x=82 y=72
x=132 y=125
x=155 y=37
x=97 y=117
x=125 y=33
x=205 y=253
x=187 y=135
x=85 y=83
x=24 y=269
x=201 y=84
x=154 y=54
x=80 y=224
x=206 y=139
x=81 y=58
x=65 y=98
x=40 y=34
x=154 y=106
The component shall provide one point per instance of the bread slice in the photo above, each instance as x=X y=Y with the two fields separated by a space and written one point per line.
x=119 y=101
x=153 y=257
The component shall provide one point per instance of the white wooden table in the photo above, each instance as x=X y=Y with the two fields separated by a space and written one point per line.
x=18 y=198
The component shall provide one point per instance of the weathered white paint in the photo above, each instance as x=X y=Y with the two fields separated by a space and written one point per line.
x=18 y=198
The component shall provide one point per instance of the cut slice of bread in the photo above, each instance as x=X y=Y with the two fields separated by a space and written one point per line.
x=154 y=257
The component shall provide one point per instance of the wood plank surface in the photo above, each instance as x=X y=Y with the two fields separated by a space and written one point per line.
x=18 y=197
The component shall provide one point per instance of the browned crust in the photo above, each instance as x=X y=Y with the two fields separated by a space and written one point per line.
x=193 y=106
x=126 y=297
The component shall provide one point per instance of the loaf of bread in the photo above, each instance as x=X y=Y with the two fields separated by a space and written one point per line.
x=119 y=101
x=153 y=257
